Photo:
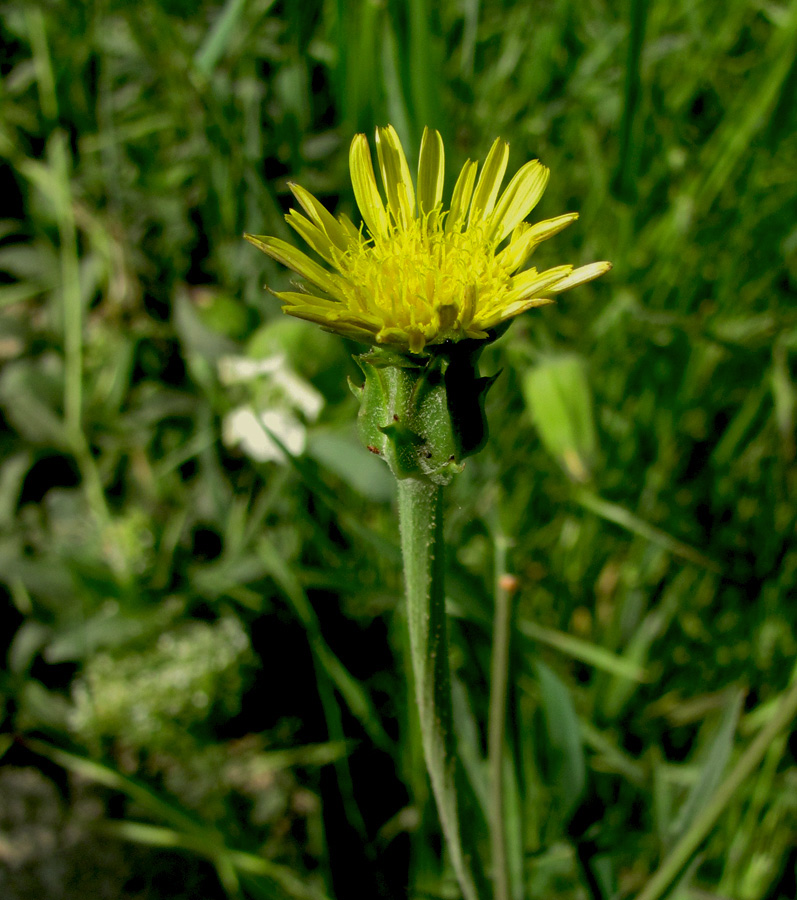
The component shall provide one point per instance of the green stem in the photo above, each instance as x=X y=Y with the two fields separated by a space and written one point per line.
x=421 y=520
x=72 y=301
x=499 y=673
x=682 y=852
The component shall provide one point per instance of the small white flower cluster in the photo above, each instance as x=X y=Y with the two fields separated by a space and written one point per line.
x=282 y=403
x=146 y=699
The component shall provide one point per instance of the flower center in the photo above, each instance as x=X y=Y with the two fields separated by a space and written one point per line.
x=420 y=279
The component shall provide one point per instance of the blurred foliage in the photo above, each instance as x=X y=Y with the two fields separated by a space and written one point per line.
x=186 y=674
x=148 y=563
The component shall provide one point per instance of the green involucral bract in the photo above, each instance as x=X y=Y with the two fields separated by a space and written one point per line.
x=423 y=415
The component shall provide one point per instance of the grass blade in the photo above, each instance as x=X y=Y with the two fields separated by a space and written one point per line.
x=564 y=736
x=625 y=178
x=713 y=766
x=707 y=818
x=613 y=512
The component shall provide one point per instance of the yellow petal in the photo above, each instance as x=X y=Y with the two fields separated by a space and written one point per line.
x=330 y=312
x=312 y=235
x=468 y=308
x=347 y=329
x=520 y=306
x=395 y=176
x=365 y=189
x=526 y=238
x=320 y=216
x=512 y=310
x=460 y=199
x=412 y=279
x=521 y=196
x=532 y=283
x=297 y=299
x=431 y=169
x=351 y=230
x=294 y=259
x=580 y=276
x=489 y=181
x=541 y=231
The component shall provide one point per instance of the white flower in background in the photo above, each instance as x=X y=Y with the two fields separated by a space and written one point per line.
x=252 y=432
x=283 y=399
x=237 y=369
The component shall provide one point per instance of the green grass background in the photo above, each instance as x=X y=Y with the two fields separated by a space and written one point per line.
x=205 y=666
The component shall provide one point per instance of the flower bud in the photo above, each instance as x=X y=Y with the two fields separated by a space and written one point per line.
x=423 y=415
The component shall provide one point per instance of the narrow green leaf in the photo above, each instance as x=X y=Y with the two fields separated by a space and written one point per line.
x=468 y=742
x=620 y=689
x=712 y=768
x=211 y=846
x=111 y=778
x=706 y=818
x=613 y=512
x=564 y=738
x=584 y=651
x=218 y=38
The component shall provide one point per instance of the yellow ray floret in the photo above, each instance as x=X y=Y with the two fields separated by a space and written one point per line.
x=415 y=274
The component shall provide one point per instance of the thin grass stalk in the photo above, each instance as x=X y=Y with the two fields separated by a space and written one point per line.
x=71 y=293
x=499 y=673
x=72 y=314
x=72 y=306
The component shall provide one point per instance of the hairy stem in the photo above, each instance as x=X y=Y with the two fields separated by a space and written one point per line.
x=421 y=520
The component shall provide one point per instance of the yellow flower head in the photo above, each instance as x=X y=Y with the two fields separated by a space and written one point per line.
x=419 y=274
